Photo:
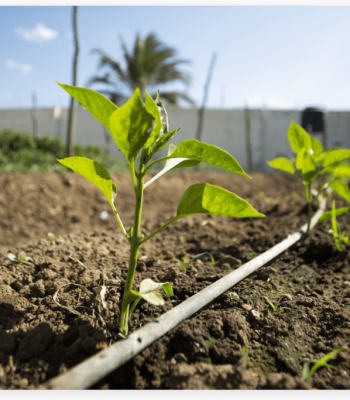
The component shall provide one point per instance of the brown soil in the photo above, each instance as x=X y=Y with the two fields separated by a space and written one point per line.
x=236 y=342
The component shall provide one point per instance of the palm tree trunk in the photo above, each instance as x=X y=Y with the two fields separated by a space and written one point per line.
x=70 y=129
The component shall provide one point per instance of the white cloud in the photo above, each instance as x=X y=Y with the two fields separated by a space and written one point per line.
x=23 y=68
x=38 y=34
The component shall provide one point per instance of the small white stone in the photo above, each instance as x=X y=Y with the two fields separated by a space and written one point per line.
x=255 y=313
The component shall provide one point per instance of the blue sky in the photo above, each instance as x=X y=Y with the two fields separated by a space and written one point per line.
x=267 y=56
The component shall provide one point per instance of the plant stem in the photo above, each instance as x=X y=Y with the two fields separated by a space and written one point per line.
x=135 y=246
x=309 y=203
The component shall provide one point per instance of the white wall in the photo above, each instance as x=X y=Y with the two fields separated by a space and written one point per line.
x=223 y=128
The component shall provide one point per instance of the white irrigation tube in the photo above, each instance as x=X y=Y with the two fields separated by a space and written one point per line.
x=90 y=371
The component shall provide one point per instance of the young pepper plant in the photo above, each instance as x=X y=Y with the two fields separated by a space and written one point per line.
x=323 y=169
x=140 y=130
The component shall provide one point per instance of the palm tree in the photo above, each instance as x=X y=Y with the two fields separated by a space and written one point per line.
x=151 y=64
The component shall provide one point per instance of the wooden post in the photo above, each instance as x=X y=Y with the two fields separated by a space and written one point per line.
x=248 y=143
x=206 y=88
x=70 y=129
x=33 y=116
x=205 y=96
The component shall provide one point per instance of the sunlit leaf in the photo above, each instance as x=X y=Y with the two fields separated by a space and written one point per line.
x=163 y=115
x=161 y=143
x=328 y=214
x=298 y=137
x=283 y=164
x=131 y=126
x=203 y=198
x=316 y=146
x=152 y=108
x=98 y=105
x=95 y=173
x=342 y=189
x=147 y=285
x=341 y=171
x=333 y=156
x=172 y=163
x=198 y=151
x=306 y=164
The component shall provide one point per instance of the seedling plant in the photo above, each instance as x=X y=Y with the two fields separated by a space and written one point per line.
x=212 y=260
x=322 y=171
x=308 y=373
x=275 y=307
x=183 y=264
x=20 y=259
x=140 y=129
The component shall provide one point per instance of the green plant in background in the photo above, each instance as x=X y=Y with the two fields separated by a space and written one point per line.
x=338 y=235
x=275 y=307
x=322 y=171
x=140 y=130
x=19 y=151
x=183 y=264
x=307 y=372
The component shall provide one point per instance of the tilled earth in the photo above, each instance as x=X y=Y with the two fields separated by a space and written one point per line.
x=236 y=342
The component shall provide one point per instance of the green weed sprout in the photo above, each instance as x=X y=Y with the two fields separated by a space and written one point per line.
x=212 y=260
x=140 y=130
x=323 y=169
x=183 y=264
x=307 y=373
x=275 y=306
x=21 y=258
x=338 y=235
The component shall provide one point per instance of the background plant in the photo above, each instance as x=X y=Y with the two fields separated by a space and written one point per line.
x=322 y=171
x=19 y=151
x=140 y=129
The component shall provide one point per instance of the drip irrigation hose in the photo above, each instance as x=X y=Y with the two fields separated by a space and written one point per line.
x=90 y=371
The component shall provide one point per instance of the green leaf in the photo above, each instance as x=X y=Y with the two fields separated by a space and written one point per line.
x=342 y=189
x=163 y=115
x=316 y=146
x=306 y=164
x=198 y=151
x=203 y=198
x=95 y=173
x=152 y=108
x=298 y=137
x=98 y=105
x=335 y=229
x=147 y=285
x=333 y=156
x=172 y=163
x=147 y=292
x=341 y=171
x=131 y=126
x=324 y=360
x=161 y=143
x=282 y=163
x=328 y=214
